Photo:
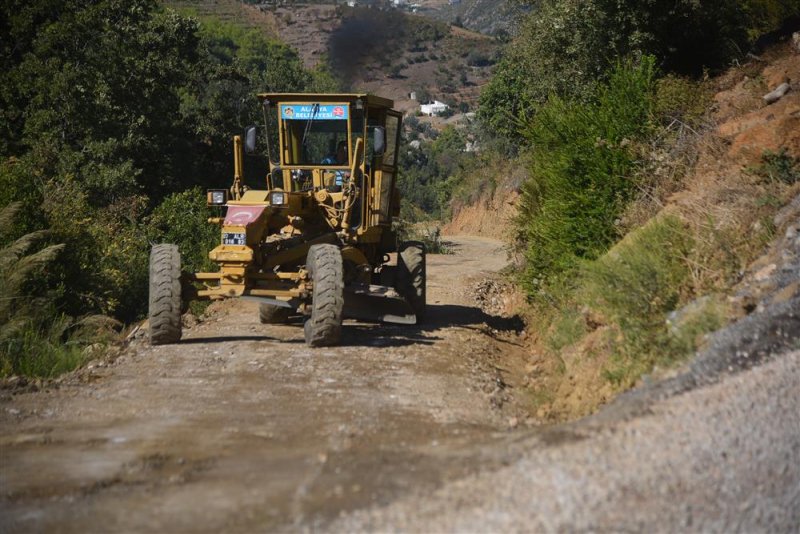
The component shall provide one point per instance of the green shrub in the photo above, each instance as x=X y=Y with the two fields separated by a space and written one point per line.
x=35 y=339
x=580 y=172
x=766 y=15
x=182 y=219
x=635 y=286
x=779 y=166
x=639 y=280
x=565 y=46
x=680 y=98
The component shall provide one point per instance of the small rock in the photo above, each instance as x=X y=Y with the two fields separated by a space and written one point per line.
x=765 y=272
x=189 y=320
x=777 y=94
x=94 y=349
x=796 y=41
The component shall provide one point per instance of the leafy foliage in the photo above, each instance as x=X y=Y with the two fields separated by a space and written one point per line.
x=183 y=218
x=565 y=46
x=582 y=156
x=113 y=114
x=31 y=333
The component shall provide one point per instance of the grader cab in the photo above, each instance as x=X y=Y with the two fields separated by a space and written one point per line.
x=316 y=239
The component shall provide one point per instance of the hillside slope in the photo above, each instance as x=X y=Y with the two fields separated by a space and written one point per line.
x=391 y=52
x=228 y=11
x=740 y=203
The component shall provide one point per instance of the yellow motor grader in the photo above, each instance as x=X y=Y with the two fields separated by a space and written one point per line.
x=316 y=240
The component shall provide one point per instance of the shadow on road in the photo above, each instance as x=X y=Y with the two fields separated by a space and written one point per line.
x=226 y=339
x=363 y=334
x=444 y=315
x=439 y=316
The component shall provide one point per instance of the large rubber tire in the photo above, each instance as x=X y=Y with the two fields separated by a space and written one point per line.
x=324 y=327
x=165 y=295
x=271 y=314
x=411 y=276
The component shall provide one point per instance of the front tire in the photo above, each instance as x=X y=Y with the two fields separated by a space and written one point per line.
x=411 y=276
x=165 y=295
x=324 y=327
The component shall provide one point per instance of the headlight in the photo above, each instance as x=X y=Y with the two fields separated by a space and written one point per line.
x=277 y=198
x=216 y=197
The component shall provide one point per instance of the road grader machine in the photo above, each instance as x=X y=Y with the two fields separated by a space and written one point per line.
x=316 y=241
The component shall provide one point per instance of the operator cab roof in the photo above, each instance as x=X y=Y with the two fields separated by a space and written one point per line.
x=370 y=100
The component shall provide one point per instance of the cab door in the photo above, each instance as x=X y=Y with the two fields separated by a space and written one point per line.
x=389 y=166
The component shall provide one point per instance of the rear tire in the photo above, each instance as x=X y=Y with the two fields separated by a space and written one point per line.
x=324 y=327
x=411 y=276
x=165 y=295
x=271 y=314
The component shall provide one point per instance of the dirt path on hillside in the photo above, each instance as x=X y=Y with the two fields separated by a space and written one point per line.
x=242 y=427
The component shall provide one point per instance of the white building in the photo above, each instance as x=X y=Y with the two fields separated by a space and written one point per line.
x=436 y=108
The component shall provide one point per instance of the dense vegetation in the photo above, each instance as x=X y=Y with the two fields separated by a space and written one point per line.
x=566 y=46
x=588 y=95
x=112 y=112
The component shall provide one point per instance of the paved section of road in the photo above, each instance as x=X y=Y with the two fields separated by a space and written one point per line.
x=723 y=458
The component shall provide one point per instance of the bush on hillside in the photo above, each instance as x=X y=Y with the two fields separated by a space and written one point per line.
x=35 y=338
x=580 y=172
x=640 y=280
x=637 y=286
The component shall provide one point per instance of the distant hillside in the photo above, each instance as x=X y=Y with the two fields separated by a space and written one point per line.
x=390 y=52
x=490 y=17
x=231 y=11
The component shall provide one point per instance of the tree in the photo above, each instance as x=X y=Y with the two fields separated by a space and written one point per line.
x=566 y=46
x=111 y=106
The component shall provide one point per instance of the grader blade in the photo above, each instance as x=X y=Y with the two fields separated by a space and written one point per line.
x=377 y=303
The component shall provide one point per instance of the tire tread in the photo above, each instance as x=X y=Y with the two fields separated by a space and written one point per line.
x=165 y=294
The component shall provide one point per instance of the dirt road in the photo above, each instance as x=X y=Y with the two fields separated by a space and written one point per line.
x=242 y=427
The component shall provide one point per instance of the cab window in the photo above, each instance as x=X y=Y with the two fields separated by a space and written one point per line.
x=315 y=134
